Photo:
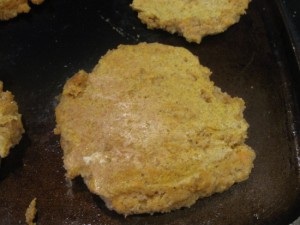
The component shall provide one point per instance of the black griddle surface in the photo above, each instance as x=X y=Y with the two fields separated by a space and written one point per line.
x=253 y=59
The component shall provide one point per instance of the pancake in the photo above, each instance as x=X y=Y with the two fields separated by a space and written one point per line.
x=11 y=8
x=149 y=132
x=193 y=19
x=11 y=128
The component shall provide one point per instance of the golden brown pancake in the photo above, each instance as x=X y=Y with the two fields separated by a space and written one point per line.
x=11 y=8
x=11 y=128
x=149 y=132
x=193 y=19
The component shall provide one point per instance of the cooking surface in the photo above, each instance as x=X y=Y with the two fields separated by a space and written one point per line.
x=40 y=50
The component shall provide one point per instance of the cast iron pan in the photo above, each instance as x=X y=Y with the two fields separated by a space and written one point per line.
x=253 y=60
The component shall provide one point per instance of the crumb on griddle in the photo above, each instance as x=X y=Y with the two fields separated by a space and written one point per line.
x=31 y=213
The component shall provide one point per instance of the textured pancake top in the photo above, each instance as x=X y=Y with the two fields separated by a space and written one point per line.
x=11 y=127
x=148 y=131
x=191 y=18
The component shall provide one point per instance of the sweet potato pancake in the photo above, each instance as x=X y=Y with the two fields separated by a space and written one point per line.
x=149 y=132
x=11 y=8
x=11 y=128
x=192 y=19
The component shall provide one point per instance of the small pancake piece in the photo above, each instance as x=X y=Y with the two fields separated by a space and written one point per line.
x=149 y=132
x=193 y=19
x=11 y=128
x=11 y=8
x=31 y=211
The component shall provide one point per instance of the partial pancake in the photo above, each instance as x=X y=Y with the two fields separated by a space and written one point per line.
x=149 y=132
x=193 y=19
x=11 y=128
x=11 y=8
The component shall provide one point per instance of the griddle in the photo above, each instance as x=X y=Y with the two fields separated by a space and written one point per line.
x=255 y=59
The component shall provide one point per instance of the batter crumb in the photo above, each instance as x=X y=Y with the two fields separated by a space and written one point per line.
x=31 y=213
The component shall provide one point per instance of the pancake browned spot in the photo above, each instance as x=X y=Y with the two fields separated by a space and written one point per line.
x=11 y=8
x=11 y=128
x=149 y=132
x=192 y=19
